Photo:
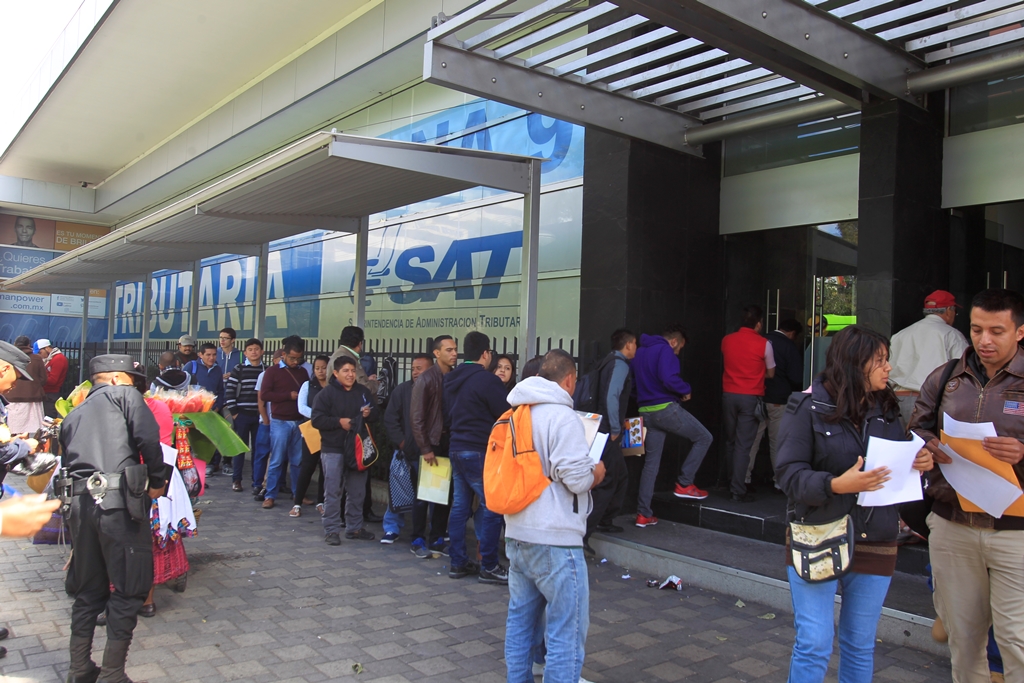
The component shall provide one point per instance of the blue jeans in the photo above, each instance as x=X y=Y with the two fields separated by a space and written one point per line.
x=285 y=447
x=672 y=419
x=546 y=582
x=260 y=457
x=467 y=479
x=814 y=619
x=393 y=521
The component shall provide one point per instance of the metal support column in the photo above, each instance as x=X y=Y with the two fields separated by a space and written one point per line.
x=260 y=324
x=147 y=313
x=359 y=290
x=193 y=306
x=85 y=337
x=111 y=314
x=528 y=284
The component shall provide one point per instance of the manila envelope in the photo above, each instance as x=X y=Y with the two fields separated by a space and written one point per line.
x=971 y=449
x=311 y=434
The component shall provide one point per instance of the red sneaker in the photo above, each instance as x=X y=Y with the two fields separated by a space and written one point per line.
x=642 y=521
x=690 y=491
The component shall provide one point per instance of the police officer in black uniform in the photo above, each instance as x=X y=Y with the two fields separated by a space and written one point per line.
x=102 y=441
x=13 y=368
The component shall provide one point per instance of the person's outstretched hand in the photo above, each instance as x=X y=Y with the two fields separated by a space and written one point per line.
x=25 y=515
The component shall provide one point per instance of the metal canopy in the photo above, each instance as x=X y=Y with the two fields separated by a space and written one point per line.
x=328 y=181
x=657 y=70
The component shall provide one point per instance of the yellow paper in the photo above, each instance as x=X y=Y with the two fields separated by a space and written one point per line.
x=311 y=434
x=435 y=481
x=973 y=450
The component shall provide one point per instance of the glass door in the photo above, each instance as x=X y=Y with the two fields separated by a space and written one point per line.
x=832 y=296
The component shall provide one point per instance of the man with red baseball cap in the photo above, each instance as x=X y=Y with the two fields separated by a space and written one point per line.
x=917 y=350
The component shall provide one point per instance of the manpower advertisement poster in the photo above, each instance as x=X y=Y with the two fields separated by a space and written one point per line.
x=27 y=242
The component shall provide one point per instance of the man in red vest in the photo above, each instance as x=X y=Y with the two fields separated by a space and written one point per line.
x=748 y=359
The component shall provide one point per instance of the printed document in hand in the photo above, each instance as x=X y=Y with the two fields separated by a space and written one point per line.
x=967 y=430
x=596 y=440
x=435 y=481
x=981 y=486
x=904 y=483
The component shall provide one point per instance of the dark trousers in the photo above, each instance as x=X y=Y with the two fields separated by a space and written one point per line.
x=310 y=463
x=611 y=493
x=246 y=426
x=109 y=548
x=421 y=509
x=50 y=405
x=740 y=423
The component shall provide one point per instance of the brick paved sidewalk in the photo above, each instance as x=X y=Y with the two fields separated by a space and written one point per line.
x=267 y=600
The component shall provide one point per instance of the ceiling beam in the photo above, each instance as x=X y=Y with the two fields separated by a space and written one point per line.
x=335 y=223
x=796 y=40
x=190 y=248
x=561 y=98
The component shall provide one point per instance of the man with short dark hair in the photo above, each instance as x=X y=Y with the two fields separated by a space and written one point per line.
x=206 y=373
x=170 y=376
x=24 y=231
x=748 y=359
x=474 y=398
x=280 y=389
x=788 y=377
x=427 y=417
x=549 y=595
x=25 y=410
x=659 y=390
x=351 y=344
x=399 y=425
x=242 y=401
x=976 y=558
x=917 y=350
x=227 y=355
x=613 y=389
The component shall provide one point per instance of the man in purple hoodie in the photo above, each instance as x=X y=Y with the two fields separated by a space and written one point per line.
x=659 y=389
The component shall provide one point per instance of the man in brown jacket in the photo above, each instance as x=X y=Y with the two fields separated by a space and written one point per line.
x=25 y=412
x=427 y=420
x=976 y=559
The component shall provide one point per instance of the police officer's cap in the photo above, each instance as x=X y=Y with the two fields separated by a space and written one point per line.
x=114 y=362
x=9 y=353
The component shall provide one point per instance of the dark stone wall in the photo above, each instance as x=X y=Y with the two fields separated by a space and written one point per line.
x=904 y=234
x=652 y=256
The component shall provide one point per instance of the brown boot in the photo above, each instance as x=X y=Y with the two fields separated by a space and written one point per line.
x=83 y=669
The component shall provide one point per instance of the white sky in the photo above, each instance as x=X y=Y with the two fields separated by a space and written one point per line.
x=28 y=28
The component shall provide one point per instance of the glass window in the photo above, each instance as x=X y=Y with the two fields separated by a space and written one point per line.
x=989 y=104
x=821 y=139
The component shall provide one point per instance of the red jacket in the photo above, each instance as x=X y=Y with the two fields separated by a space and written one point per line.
x=57 y=370
x=743 y=355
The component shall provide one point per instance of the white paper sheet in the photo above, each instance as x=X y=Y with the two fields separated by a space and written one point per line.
x=967 y=430
x=983 y=487
x=597 y=448
x=591 y=423
x=904 y=484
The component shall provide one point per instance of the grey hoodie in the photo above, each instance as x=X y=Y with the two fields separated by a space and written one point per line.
x=559 y=516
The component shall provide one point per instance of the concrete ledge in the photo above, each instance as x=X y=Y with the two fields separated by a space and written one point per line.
x=899 y=628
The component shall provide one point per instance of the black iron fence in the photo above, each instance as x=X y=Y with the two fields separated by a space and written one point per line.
x=402 y=349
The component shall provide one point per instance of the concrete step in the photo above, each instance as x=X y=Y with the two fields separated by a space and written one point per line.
x=755 y=571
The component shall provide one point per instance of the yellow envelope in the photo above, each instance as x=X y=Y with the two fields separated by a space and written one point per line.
x=311 y=434
x=972 y=449
x=435 y=481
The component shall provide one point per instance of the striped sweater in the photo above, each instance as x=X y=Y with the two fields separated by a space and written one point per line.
x=240 y=388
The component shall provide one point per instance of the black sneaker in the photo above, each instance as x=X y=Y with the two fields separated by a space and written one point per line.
x=332 y=539
x=463 y=571
x=260 y=495
x=361 y=535
x=438 y=548
x=498 y=575
x=587 y=549
x=610 y=528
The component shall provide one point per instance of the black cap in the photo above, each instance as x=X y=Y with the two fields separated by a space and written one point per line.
x=9 y=353
x=113 y=362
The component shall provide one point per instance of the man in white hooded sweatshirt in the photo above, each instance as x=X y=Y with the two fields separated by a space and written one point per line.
x=547 y=570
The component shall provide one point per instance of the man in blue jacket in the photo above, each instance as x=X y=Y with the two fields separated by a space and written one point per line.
x=474 y=399
x=206 y=374
x=659 y=389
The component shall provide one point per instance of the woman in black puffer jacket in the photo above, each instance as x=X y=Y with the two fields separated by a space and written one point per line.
x=823 y=441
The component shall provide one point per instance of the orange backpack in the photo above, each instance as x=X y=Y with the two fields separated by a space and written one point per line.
x=513 y=476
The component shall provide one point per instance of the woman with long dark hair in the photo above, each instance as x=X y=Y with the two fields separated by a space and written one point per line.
x=823 y=441
x=505 y=369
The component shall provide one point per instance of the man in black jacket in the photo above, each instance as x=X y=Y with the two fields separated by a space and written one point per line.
x=789 y=377
x=474 y=398
x=614 y=387
x=102 y=440
x=338 y=412
x=399 y=426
